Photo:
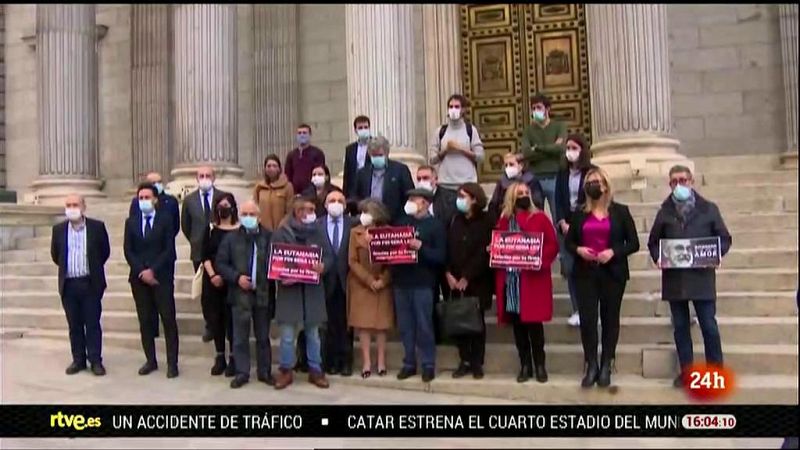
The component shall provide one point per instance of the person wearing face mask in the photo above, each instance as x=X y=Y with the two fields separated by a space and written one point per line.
x=338 y=343
x=514 y=172
x=79 y=247
x=414 y=284
x=355 y=155
x=384 y=179
x=370 y=307
x=302 y=160
x=298 y=303
x=542 y=147
x=456 y=147
x=524 y=298
x=224 y=220
x=241 y=262
x=685 y=214
x=601 y=237
x=149 y=248
x=274 y=194
x=570 y=196
x=320 y=188
x=166 y=202
x=467 y=269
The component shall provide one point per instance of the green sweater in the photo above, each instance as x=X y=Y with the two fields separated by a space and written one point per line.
x=539 y=149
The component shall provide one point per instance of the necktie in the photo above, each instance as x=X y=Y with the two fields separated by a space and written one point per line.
x=206 y=206
x=336 y=235
x=147 y=225
x=254 y=266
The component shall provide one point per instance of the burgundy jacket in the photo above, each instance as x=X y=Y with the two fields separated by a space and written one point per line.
x=298 y=168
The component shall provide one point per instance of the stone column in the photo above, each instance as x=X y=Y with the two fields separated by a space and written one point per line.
x=630 y=92
x=275 y=80
x=788 y=24
x=442 y=39
x=380 y=74
x=206 y=96
x=66 y=64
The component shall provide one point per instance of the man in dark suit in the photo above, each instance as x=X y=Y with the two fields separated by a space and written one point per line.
x=336 y=225
x=355 y=156
x=150 y=252
x=385 y=180
x=80 y=248
x=195 y=217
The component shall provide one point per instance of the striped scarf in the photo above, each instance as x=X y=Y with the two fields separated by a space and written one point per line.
x=512 y=278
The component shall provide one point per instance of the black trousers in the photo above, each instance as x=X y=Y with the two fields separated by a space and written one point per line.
x=338 y=339
x=160 y=298
x=599 y=287
x=219 y=320
x=529 y=339
x=242 y=317
x=471 y=349
x=82 y=307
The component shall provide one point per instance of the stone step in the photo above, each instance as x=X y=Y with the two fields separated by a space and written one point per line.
x=751 y=192
x=741 y=222
x=767 y=176
x=503 y=358
x=734 y=304
x=729 y=206
x=736 y=164
x=633 y=330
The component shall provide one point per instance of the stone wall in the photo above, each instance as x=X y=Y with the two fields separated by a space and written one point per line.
x=726 y=78
x=2 y=97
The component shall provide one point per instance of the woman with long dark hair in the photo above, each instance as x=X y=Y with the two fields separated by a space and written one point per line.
x=320 y=187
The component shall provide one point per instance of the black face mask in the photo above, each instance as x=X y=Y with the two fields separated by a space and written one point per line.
x=593 y=190
x=523 y=203
x=224 y=213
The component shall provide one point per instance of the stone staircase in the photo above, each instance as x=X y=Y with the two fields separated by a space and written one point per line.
x=756 y=307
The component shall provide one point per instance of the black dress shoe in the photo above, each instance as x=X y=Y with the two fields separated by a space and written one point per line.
x=172 y=372
x=604 y=377
x=231 y=369
x=462 y=370
x=525 y=374
x=428 y=375
x=268 y=379
x=332 y=370
x=147 y=368
x=238 y=381
x=219 y=365
x=590 y=375
x=477 y=372
x=346 y=370
x=405 y=372
x=75 y=367
x=98 y=369
x=207 y=336
x=541 y=374
x=678 y=381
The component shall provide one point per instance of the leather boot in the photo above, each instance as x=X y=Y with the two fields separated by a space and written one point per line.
x=591 y=371
x=219 y=365
x=283 y=378
x=525 y=370
x=604 y=377
x=318 y=379
x=541 y=373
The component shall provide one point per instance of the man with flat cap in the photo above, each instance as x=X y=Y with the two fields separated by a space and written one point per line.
x=413 y=285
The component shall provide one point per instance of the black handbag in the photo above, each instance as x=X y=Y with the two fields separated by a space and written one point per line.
x=461 y=316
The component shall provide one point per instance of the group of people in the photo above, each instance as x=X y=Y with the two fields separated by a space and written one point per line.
x=453 y=219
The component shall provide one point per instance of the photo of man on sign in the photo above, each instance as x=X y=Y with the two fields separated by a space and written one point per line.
x=689 y=253
x=516 y=250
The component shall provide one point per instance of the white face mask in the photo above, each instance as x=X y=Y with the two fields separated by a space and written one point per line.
x=572 y=155
x=309 y=218
x=365 y=219
x=205 y=184
x=411 y=208
x=318 y=180
x=73 y=214
x=335 y=209
x=425 y=184
x=512 y=171
x=454 y=113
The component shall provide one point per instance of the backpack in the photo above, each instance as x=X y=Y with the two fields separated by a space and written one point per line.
x=443 y=130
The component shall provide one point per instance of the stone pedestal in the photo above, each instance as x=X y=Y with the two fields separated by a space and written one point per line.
x=631 y=99
x=789 y=45
x=442 y=41
x=67 y=102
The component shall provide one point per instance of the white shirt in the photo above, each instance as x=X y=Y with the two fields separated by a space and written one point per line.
x=152 y=221
x=210 y=198
x=77 y=260
x=361 y=155
x=331 y=222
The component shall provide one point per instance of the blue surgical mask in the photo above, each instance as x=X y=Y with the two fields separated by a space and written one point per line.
x=682 y=193
x=146 y=206
x=378 y=162
x=159 y=187
x=250 y=222
x=538 y=116
x=462 y=205
x=363 y=134
x=303 y=138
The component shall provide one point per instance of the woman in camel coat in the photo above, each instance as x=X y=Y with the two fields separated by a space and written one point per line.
x=274 y=194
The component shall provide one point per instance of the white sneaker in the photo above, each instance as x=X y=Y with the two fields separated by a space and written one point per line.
x=574 y=320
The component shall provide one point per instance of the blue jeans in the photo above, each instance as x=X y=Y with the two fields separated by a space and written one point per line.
x=414 y=307
x=567 y=263
x=287 y=352
x=548 y=183
x=681 y=322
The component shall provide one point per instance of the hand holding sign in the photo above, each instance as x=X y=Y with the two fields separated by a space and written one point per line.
x=415 y=244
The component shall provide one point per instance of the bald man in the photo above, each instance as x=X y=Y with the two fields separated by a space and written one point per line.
x=80 y=248
x=166 y=202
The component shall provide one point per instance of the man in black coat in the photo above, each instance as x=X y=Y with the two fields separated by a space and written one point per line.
x=384 y=179
x=356 y=156
x=150 y=252
x=685 y=215
x=80 y=248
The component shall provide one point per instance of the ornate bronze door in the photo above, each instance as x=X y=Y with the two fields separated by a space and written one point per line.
x=512 y=52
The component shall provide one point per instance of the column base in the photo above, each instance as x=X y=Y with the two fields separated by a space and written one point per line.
x=635 y=163
x=789 y=160
x=229 y=178
x=52 y=191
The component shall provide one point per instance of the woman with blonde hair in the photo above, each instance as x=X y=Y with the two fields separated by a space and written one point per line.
x=370 y=306
x=525 y=297
x=601 y=237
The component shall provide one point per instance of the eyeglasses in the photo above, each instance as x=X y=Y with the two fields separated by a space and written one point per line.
x=676 y=181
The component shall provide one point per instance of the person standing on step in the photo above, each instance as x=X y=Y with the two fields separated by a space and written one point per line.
x=149 y=247
x=525 y=297
x=79 y=247
x=570 y=197
x=225 y=220
x=456 y=147
x=274 y=194
x=302 y=159
x=356 y=156
x=514 y=172
x=195 y=218
x=685 y=215
x=300 y=303
x=414 y=283
x=384 y=179
x=242 y=261
x=338 y=342
x=320 y=187
x=602 y=234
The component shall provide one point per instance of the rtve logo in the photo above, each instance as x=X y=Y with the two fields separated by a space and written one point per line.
x=76 y=421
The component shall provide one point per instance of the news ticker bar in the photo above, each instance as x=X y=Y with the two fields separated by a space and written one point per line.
x=398 y=421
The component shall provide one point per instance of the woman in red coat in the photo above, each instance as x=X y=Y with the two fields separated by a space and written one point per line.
x=525 y=298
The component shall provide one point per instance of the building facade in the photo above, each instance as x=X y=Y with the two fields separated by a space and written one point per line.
x=97 y=95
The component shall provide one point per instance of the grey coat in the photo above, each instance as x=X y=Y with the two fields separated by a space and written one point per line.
x=302 y=302
x=193 y=220
x=234 y=258
x=704 y=221
x=340 y=266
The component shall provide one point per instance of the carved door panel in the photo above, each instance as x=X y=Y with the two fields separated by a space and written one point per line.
x=511 y=52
